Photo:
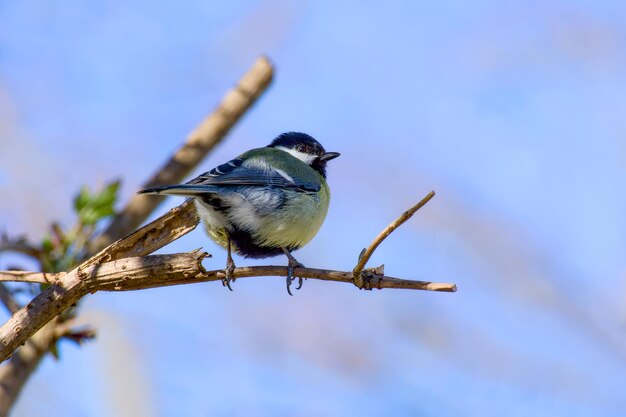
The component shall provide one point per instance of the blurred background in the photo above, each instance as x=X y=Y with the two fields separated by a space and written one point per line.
x=512 y=111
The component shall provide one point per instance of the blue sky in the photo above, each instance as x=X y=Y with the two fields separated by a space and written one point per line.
x=511 y=111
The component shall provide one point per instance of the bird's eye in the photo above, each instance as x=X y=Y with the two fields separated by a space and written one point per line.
x=300 y=148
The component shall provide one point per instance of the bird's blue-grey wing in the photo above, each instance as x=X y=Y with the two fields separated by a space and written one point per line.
x=238 y=173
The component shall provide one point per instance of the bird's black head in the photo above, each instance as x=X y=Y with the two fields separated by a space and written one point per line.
x=305 y=148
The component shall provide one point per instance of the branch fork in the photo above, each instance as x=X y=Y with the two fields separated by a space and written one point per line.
x=363 y=277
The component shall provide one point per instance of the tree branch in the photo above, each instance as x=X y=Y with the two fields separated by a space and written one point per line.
x=140 y=273
x=14 y=373
x=7 y=298
x=172 y=225
x=27 y=276
x=199 y=142
x=69 y=288
x=19 y=245
x=361 y=278
x=66 y=330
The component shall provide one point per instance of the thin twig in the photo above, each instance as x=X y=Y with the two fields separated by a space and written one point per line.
x=367 y=253
x=199 y=142
x=19 y=245
x=67 y=330
x=26 y=276
x=7 y=298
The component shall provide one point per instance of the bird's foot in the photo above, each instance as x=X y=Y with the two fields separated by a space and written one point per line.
x=229 y=272
x=293 y=263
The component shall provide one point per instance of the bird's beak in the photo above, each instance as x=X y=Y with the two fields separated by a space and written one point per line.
x=329 y=155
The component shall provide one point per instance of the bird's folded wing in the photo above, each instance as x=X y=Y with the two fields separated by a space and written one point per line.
x=236 y=173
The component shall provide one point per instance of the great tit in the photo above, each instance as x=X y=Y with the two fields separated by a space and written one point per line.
x=265 y=202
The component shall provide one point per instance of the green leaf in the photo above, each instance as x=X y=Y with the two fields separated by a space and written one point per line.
x=88 y=216
x=82 y=199
x=46 y=244
x=93 y=207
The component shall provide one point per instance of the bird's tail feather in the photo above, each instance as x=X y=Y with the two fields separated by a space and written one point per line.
x=188 y=190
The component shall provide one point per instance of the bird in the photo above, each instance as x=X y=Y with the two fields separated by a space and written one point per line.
x=265 y=202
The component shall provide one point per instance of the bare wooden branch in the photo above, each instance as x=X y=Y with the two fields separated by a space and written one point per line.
x=7 y=298
x=139 y=273
x=19 y=245
x=69 y=288
x=15 y=372
x=367 y=253
x=199 y=142
x=78 y=335
x=41 y=310
x=26 y=276
x=172 y=225
x=79 y=282
x=273 y=271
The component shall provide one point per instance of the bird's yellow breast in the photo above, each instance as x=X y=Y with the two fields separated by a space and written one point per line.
x=297 y=222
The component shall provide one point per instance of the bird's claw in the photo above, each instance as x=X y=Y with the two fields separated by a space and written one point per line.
x=229 y=272
x=290 y=278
